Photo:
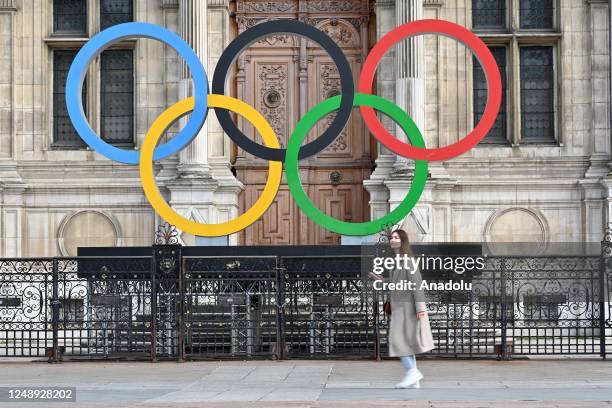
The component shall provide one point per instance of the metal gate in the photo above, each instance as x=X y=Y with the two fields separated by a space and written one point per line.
x=605 y=303
x=170 y=302
x=230 y=307
x=26 y=287
x=522 y=306
x=329 y=309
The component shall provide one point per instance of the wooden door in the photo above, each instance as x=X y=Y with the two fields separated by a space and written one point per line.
x=284 y=76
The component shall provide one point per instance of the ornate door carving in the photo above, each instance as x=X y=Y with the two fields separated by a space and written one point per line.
x=283 y=76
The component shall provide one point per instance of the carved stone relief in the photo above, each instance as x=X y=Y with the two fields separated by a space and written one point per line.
x=267 y=6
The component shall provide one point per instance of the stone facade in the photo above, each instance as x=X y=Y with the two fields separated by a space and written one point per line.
x=53 y=200
x=553 y=192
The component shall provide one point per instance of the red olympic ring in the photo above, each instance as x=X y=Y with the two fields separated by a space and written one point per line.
x=484 y=56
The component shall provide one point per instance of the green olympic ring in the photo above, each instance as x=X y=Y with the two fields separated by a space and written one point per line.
x=354 y=228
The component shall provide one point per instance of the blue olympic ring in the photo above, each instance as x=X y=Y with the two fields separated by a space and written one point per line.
x=104 y=39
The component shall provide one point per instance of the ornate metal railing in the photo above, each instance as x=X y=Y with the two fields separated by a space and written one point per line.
x=290 y=305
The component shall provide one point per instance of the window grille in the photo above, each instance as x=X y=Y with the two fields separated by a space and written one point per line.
x=536 y=14
x=69 y=16
x=115 y=12
x=64 y=133
x=489 y=14
x=117 y=98
x=499 y=131
x=537 y=94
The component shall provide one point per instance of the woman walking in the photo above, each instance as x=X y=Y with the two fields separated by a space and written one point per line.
x=409 y=330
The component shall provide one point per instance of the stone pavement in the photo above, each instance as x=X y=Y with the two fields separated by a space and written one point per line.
x=299 y=384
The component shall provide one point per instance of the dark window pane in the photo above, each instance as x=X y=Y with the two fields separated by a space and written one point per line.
x=536 y=13
x=489 y=14
x=537 y=95
x=64 y=133
x=70 y=16
x=498 y=133
x=117 y=96
x=115 y=12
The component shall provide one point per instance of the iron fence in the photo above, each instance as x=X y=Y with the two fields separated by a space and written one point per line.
x=169 y=305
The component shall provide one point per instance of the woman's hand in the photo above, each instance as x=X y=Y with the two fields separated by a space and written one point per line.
x=420 y=315
x=375 y=276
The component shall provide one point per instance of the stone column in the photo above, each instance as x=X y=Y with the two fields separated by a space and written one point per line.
x=385 y=21
x=599 y=147
x=379 y=193
x=193 y=193
x=193 y=29
x=607 y=180
x=409 y=73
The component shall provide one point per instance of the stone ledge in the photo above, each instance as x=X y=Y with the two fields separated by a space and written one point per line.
x=8 y=5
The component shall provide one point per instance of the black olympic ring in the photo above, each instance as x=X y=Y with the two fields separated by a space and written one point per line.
x=291 y=27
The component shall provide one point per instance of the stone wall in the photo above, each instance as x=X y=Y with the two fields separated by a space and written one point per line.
x=53 y=200
x=542 y=193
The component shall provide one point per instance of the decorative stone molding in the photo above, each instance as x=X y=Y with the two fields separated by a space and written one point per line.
x=66 y=222
x=293 y=6
x=343 y=33
x=267 y=6
x=8 y=5
x=170 y=4
x=335 y=6
x=530 y=215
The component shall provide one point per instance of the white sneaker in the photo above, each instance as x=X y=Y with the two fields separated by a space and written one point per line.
x=411 y=379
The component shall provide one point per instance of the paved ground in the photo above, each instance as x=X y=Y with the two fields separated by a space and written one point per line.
x=299 y=384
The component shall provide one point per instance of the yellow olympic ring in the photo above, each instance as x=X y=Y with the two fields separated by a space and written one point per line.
x=158 y=128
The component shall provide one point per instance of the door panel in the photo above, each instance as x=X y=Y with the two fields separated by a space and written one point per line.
x=283 y=77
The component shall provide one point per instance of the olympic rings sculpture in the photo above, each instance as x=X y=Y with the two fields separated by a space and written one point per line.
x=199 y=104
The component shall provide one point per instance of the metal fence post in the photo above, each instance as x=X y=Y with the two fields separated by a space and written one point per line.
x=376 y=316
x=181 y=309
x=604 y=288
x=153 y=310
x=504 y=308
x=280 y=310
x=602 y=306
x=55 y=304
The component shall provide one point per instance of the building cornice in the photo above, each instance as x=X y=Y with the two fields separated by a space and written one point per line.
x=10 y=5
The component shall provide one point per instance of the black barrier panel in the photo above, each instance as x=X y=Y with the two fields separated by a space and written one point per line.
x=329 y=309
x=26 y=290
x=230 y=307
x=104 y=308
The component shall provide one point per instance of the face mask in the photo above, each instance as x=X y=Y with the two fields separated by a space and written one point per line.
x=395 y=243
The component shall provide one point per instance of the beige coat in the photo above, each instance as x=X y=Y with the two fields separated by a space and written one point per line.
x=407 y=334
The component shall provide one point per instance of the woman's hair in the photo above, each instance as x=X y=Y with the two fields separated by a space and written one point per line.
x=406 y=247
